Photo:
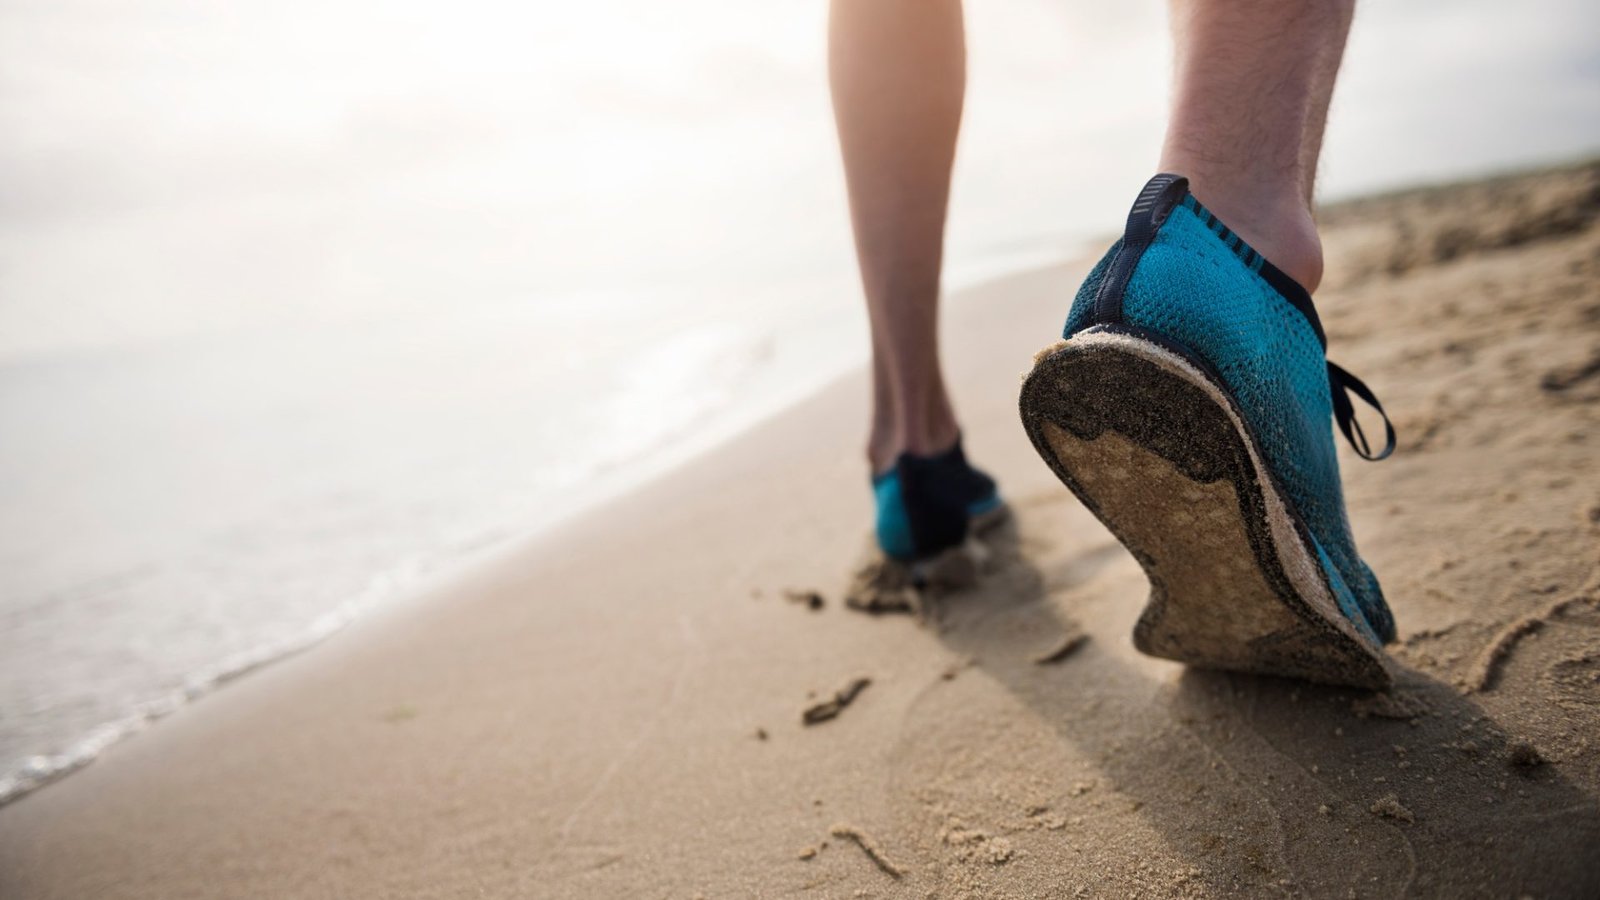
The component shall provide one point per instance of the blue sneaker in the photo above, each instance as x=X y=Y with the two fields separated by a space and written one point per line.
x=1189 y=408
x=928 y=504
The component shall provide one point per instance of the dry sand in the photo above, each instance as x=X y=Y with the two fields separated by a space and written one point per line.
x=616 y=711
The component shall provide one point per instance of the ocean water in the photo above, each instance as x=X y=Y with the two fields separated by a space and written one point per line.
x=302 y=303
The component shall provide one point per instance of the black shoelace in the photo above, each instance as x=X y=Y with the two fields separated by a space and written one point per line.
x=1341 y=385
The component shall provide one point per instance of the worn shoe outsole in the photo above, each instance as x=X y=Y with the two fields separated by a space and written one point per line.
x=1154 y=446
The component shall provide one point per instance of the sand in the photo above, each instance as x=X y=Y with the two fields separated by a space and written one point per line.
x=581 y=716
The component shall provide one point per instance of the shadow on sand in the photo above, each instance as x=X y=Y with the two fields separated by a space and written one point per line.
x=1274 y=787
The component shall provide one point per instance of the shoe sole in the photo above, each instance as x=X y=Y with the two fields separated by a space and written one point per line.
x=1155 y=447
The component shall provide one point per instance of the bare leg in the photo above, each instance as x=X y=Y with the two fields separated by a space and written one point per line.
x=898 y=73
x=1254 y=78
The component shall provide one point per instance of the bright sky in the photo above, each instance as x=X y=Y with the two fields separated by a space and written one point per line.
x=178 y=167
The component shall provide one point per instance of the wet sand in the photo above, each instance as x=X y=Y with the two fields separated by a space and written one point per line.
x=618 y=710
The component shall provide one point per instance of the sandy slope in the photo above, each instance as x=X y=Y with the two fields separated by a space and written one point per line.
x=617 y=711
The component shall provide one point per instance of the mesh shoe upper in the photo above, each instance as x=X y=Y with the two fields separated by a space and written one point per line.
x=1199 y=285
x=926 y=503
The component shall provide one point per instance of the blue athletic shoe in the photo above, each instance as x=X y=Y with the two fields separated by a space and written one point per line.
x=1189 y=408
x=928 y=504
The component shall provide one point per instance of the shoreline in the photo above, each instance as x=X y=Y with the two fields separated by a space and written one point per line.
x=616 y=707
x=398 y=584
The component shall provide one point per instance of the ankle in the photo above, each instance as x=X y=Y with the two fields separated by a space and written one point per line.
x=1279 y=226
x=881 y=451
x=1285 y=237
x=927 y=438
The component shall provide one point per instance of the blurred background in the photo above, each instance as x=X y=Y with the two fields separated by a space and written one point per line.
x=300 y=302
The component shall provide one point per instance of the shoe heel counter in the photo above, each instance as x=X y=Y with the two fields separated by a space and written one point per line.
x=1168 y=292
x=893 y=526
x=1109 y=283
x=1081 y=315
